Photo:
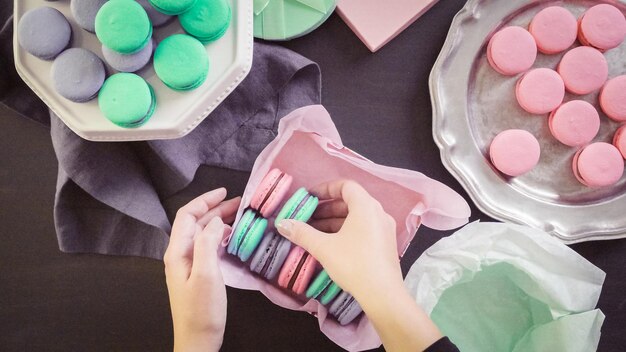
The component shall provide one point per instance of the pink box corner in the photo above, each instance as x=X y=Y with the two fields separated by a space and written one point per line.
x=377 y=22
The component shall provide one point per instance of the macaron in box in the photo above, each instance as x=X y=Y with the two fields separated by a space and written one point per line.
x=309 y=149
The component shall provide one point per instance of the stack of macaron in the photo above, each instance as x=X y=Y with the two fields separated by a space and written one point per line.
x=541 y=91
x=125 y=28
x=277 y=260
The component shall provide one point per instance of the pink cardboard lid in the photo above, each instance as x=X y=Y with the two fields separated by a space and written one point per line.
x=376 y=22
x=308 y=147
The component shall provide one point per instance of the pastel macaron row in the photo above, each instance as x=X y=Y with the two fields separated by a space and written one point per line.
x=274 y=257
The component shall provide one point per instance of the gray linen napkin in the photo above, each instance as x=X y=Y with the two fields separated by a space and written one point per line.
x=108 y=194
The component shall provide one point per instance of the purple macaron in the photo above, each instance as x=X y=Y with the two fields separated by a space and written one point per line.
x=44 y=32
x=85 y=11
x=345 y=308
x=129 y=63
x=270 y=255
x=78 y=74
x=157 y=18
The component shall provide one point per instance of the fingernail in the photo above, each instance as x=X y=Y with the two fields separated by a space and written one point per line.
x=227 y=232
x=285 y=227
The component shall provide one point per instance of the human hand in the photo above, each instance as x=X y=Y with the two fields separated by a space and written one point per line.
x=352 y=237
x=194 y=279
x=359 y=252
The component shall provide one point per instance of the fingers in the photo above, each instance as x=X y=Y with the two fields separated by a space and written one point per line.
x=335 y=208
x=330 y=225
x=304 y=236
x=351 y=192
x=206 y=244
x=225 y=210
x=179 y=252
x=201 y=205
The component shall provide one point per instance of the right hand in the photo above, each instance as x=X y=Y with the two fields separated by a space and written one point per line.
x=352 y=237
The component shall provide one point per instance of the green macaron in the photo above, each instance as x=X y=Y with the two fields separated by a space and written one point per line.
x=323 y=288
x=247 y=235
x=172 y=7
x=207 y=20
x=181 y=62
x=127 y=100
x=123 y=26
x=299 y=207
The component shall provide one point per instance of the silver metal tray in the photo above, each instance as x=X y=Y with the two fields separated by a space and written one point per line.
x=472 y=103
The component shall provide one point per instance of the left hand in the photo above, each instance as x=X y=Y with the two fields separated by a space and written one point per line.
x=194 y=279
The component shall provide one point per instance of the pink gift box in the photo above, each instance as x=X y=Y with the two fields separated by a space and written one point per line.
x=376 y=22
x=308 y=147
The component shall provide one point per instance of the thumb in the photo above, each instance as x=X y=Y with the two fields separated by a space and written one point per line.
x=205 y=248
x=303 y=235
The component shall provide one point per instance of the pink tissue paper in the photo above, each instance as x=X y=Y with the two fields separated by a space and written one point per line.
x=376 y=22
x=309 y=148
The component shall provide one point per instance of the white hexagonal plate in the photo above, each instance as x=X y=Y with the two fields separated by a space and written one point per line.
x=177 y=113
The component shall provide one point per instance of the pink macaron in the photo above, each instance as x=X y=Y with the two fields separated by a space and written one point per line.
x=554 y=29
x=613 y=98
x=602 y=26
x=583 y=69
x=512 y=50
x=575 y=123
x=514 y=152
x=619 y=140
x=271 y=192
x=297 y=271
x=598 y=165
x=540 y=91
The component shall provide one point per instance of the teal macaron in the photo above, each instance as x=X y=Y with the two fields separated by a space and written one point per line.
x=247 y=235
x=123 y=26
x=207 y=20
x=299 y=207
x=181 y=62
x=127 y=100
x=172 y=7
x=323 y=288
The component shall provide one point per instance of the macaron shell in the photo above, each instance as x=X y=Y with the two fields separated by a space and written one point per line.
x=291 y=264
x=514 y=152
x=554 y=28
x=252 y=238
x=305 y=275
x=240 y=231
x=306 y=211
x=44 y=32
x=599 y=165
x=540 y=91
x=613 y=98
x=271 y=192
x=278 y=259
x=129 y=63
x=603 y=26
x=85 y=11
x=319 y=284
x=512 y=50
x=172 y=7
x=583 y=69
x=619 y=141
x=157 y=18
x=181 y=62
x=78 y=74
x=127 y=100
x=575 y=123
x=207 y=20
x=291 y=205
x=331 y=292
x=123 y=26
x=345 y=309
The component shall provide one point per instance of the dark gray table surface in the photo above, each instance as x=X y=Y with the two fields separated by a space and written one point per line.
x=50 y=301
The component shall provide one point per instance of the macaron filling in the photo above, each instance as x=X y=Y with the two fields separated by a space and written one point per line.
x=300 y=206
